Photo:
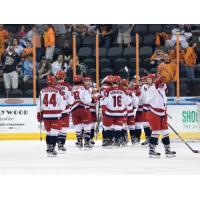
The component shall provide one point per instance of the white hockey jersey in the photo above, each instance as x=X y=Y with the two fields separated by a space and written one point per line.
x=51 y=103
x=132 y=102
x=157 y=100
x=82 y=97
x=66 y=88
x=115 y=102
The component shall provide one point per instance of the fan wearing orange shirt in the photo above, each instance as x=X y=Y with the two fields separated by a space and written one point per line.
x=3 y=39
x=190 y=61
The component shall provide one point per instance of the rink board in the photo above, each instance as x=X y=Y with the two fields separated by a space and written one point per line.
x=19 y=122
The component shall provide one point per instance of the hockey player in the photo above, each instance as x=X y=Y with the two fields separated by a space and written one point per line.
x=140 y=118
x=66 y=88
x=106 y=83
x=81 y=115
x=157 y=117
x=50 y=105
x=115 y=105
x=132 y=104
x=90 y=86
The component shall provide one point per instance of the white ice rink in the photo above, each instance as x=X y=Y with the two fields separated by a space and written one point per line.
x=29 y=157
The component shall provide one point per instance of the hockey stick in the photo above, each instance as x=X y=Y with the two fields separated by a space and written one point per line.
x=194 y=151
x=40 y=120
x=98 y=117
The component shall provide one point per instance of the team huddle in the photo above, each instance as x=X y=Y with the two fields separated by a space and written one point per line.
x=123 y=107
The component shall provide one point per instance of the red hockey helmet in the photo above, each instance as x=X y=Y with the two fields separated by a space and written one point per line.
x=78 y=79
x=60 y=74
x=152 y=76
x=51 y=80
x=107 y=80
x=117 y=79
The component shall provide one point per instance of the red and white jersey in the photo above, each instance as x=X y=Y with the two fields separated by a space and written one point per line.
x=115 y=102
x=143 y=96
x=82 y=97
x=132 y=102
x=157 y=100
x=51 y=103
x=93 y=103
x=66 y=88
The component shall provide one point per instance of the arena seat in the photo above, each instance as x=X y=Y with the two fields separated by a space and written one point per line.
x=16 y=94
x=92 y=73
x=85 y=52
x=119 y=63
x=88 y=41
x=132 y=63
x=28 y=93
x=140 y=28
x=129 y=52
x=104 y=63
x=155 y=28
x=149 y=40
x=102 y=52
x=133 y=40
x=89 y=62
x=105 y=72
x=146 y=52
x=114 y=52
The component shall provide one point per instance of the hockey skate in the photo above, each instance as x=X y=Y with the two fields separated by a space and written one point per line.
x=106 y=143
x=152 y=152
x=87 y=145
x=135 y=140
x=79 y=143
x=61 y=148
x=92 y=141
x=52 y=152
x=169 y=153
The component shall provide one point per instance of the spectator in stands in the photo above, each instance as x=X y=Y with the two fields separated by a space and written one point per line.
x=27 y=68
x=190 y=60
x=156 y=57
x=3 y=39
x=91 y=29
x=10 y=62
x=22 y=32
x=59 y=64
x=124 y=34
x=44 y=69
x=28 y=49
x=162 y=37
x=49 y=41
x=29 y=35
x=183 y=38
x=60 y=31
x=80 y=29
x=18 y=48
x=167 y=69
x=105 y=35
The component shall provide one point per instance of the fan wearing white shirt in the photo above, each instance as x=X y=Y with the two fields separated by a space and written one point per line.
x=59 y=64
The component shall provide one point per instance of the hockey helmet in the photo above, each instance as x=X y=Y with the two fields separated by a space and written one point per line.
x=51 y=80
x=60 y=74
x=78 y=79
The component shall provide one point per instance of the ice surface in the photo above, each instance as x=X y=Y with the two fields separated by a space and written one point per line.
x=29 y=157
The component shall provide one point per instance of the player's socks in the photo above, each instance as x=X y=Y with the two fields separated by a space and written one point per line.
x=86 y=137
x=106 y=138
x=79 y=137
x=138 y=133
x=61 y=141
x=117 y=135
